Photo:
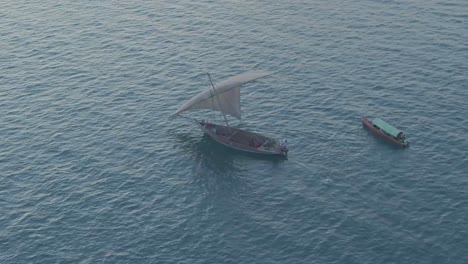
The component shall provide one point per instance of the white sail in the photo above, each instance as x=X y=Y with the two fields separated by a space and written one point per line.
x=225 y=97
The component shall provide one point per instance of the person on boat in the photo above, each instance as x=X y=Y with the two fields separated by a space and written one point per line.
x=400 y=136
x=206 y=124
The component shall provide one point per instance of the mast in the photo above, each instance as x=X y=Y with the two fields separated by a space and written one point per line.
x=220 y=106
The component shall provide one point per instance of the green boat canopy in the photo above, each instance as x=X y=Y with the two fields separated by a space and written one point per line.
x=389 y=129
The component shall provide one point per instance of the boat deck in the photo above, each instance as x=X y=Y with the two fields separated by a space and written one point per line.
x=243 y=140
x=400 y=140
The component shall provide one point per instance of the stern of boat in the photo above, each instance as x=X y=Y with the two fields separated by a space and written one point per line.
x=283 y=148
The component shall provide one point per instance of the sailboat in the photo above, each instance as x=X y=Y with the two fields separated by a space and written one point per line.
x=225 y=98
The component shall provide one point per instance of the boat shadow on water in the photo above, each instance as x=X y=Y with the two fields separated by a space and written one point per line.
x=218 y=170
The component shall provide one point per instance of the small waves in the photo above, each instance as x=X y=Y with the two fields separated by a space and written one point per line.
x=95 y=169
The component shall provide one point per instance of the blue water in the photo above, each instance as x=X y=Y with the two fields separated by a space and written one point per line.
x=94 y=170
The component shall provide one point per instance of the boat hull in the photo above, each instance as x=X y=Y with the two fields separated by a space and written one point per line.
x=243 y=140
x=367 y=123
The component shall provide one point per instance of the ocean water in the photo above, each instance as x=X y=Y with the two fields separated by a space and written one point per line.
x=93 y=168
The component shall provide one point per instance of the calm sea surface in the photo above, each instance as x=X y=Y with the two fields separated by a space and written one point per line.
x=94 y=170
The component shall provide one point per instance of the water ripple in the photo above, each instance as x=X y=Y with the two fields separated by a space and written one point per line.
x=94 y=169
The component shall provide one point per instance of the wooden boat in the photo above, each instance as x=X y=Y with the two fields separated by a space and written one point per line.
x=244 y=140
x=225 y=98
x=386 y=131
